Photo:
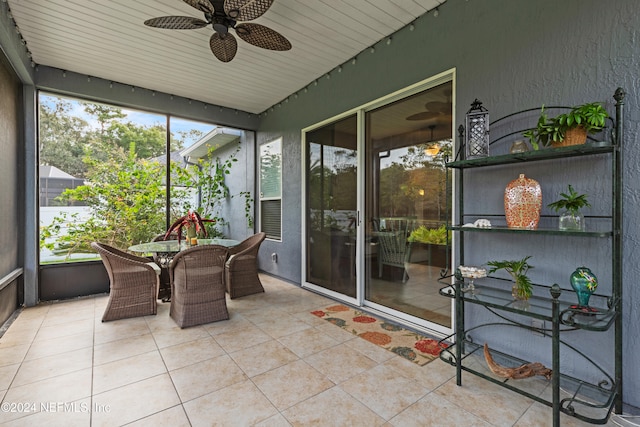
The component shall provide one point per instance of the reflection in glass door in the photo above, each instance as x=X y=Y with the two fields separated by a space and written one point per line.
x=331 y=206
x=376 y=180
x=406 y=208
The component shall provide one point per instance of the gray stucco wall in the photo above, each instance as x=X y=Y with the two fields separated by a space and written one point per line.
x=10 y=162
x=240 y=179
x=511 y=55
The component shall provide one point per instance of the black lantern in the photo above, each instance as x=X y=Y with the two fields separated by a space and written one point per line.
x=477 y=131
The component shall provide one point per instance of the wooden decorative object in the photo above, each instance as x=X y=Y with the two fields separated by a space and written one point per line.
x=524 y=371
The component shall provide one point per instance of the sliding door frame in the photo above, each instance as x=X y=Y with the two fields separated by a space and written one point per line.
x=360 y=112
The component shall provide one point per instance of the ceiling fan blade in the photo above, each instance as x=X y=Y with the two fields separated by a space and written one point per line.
x=246 y=10
x=202 y=5
x=224 y=47
x=176 y=22
x=439 y=107
x=261 y=36
x=424 y=115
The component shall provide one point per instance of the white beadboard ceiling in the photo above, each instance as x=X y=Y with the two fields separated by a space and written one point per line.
x=108 y=39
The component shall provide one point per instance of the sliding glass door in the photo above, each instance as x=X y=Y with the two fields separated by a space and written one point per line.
x=376 y=205
x=406 y=206
x=331 y=206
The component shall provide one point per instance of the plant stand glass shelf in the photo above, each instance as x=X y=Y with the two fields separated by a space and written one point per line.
x=581 y=399
x=588 y=402
x=491 y=307
x=599 y=318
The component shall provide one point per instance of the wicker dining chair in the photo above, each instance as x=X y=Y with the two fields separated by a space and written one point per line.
x=197 y=286
x=133 y=283
x=241 y=270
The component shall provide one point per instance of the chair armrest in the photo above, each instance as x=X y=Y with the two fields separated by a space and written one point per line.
x=155 y=267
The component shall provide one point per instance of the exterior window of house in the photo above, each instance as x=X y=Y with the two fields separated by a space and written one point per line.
x=271 y=189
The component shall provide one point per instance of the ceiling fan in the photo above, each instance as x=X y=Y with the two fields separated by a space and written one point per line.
x=223 y=15
x=433 y=110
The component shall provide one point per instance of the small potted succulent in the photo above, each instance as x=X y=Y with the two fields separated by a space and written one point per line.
x=517 y=269
x=571 y=219
x=570 y=128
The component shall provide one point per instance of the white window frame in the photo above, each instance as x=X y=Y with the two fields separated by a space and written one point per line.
x=261 y=198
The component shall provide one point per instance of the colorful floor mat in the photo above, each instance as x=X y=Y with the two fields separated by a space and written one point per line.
x=410 y=345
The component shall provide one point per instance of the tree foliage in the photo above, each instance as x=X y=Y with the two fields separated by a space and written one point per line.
x=62 y=138
x=65 y=137
x=126 y=198
x=125 y=189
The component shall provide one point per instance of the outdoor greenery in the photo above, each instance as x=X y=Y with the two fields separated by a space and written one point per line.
x=125 y=179
x=126 y=198
x=65 y=138
x=435 y=236
x=404 y=184
x=336 y=185
x=208 y=176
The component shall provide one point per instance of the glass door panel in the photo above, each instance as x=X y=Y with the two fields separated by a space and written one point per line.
x=331 y=206
x=406 y=208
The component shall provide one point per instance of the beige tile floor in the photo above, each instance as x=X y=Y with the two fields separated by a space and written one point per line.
x=271 y=364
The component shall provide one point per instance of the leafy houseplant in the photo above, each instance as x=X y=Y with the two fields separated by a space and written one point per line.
x=522 y=288
x=193 y=222
x=586 y=118
x=570 y=205
x=436 y=236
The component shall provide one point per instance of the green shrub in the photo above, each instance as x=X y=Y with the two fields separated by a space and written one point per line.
x=436 y=236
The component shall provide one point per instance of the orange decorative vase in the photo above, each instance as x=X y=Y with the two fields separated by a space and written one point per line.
x=522 y=203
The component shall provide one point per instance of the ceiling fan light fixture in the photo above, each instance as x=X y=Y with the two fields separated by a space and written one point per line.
x=432 y=149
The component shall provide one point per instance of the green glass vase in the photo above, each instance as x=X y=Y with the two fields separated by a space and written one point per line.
x=584 y=282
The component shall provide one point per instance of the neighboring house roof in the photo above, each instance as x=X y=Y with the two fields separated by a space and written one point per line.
x=47 y=171
x=217 y=138
x=175 y=157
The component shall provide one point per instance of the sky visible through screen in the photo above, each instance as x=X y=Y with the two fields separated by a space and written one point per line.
x=179 y=126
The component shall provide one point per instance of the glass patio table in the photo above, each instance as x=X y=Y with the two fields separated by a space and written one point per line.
x=165 y=250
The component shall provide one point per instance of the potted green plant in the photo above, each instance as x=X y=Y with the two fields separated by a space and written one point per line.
x=435 y=236
x=429 y=244
x=569 y=205
x=569 y=128
x=540 y=136
x=517 y=269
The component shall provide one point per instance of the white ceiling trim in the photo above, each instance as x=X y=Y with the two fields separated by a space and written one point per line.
x=108 y=40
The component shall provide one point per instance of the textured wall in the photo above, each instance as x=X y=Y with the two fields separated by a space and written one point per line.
x=511 y=55
x=241 y=178
x=10 y=194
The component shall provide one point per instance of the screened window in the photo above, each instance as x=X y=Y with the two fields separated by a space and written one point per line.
x=105 y=170
x=271 y=189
